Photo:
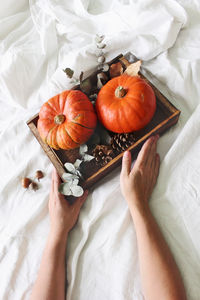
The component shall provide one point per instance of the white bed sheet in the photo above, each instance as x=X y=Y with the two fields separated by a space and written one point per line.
x=38 y=39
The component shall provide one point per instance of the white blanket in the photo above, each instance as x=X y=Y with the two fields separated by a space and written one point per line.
x=38 y=40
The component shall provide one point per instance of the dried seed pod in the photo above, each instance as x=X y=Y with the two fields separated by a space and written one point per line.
x=101 y=45
x=101 y=59
x=99 y=38
x=39 y=174
x=99 y=52
x=25 y=182
x=33 y=186
x=105 y=67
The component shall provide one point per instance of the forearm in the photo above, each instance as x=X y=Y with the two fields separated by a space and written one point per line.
x=161 y=278
x=50 y=283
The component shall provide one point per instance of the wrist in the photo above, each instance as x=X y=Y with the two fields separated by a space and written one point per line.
x=58 y=236
x=139 y=209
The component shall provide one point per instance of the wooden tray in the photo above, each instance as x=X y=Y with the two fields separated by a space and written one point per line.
x=166 y=115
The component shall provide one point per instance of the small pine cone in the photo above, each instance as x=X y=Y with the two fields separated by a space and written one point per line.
x=121 y=141
x=103 y=154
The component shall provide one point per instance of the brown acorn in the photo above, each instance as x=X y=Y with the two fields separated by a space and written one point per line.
x=39 y=174
x=25 y=182
x=33 y=186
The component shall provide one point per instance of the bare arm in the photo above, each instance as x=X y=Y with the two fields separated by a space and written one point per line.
x=161 y=278
x=50 y=283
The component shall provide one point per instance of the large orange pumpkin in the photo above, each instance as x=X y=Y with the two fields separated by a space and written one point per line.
x=125 y=104
x=67 y=120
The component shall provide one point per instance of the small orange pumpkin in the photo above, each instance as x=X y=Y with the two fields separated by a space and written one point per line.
x=125 y=104
x=67 y=120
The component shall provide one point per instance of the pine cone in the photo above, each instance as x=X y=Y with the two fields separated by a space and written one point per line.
x=103 y=154
x=121 y=141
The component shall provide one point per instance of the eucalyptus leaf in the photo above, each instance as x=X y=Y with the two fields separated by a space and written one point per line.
x=87 y=157
x=69 y=176
x=77 y=163
x=75 y=182
x=79 y=174
x=77 y=191
x=83 y=149
x=70 y=167
x=64 y=188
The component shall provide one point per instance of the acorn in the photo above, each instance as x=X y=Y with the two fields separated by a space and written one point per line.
x=25 y=182
x=39 y=174
x=33 y=186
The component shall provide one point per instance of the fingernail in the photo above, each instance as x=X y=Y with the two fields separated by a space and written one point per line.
x=126 y=153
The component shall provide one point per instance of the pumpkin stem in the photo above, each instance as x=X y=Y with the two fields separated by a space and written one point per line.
x=120 y=92
x=59 y=119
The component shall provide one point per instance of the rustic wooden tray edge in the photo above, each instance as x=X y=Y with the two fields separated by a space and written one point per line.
x=159 y=129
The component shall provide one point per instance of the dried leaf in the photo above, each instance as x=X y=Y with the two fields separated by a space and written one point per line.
x=101 y=79
x=94 y=140
x=83 y=149
x=77 y=163
x=86 y=86
x=70 y=167
x=77 y=191
x=101 y=59
x=69 y=72
x=64 y=188
x=105 y=138
x=116 y=70
x=133 y=69
x=131 y=57
x=81 y=77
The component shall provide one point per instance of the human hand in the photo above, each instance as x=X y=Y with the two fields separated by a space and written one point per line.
x=137 y=184
x=63 y=216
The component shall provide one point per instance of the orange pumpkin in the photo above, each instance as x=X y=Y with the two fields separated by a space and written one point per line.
x=67 y=120
x=125 y=104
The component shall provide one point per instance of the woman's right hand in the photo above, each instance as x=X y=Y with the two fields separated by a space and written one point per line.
x=138 y=183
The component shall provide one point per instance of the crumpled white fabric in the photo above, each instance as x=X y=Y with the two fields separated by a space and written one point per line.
x=39 y=39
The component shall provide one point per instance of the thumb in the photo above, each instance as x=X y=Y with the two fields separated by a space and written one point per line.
x=126 y=163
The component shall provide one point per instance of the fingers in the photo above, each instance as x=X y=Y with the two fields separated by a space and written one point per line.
x=126 y=163
x=156 y=168
x=80 y=201
x=152 y=152
x=145 y=154
x=52 y=182
x=56 y=180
